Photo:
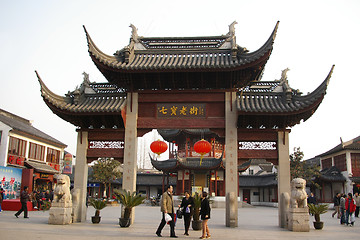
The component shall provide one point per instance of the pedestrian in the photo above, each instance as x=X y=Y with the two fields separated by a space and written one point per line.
x=350 y=207
x=342 y=208
x=33 y=199
x=47 y=195
x=336 y=201
x=39 y=200
x=1 y=198
x=167 y=207
x=24 y=198
x=205 y=215
x=357 y=200
x=311 y=199
x=187 y=205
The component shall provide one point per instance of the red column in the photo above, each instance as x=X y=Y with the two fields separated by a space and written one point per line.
x=183 y=181
x=27 y=179
x=163 y=183
x=216 y=182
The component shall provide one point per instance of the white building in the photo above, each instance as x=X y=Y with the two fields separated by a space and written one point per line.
x=24 y=146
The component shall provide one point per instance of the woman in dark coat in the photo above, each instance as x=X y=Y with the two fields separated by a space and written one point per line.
x=187 y=205
x=205 y=215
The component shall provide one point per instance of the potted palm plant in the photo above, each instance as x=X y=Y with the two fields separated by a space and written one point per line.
x=128 y=201
x=316 y=210
x=196 y=223
x=98 y=205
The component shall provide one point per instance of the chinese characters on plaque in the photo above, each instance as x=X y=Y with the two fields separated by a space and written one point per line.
x=181 y=110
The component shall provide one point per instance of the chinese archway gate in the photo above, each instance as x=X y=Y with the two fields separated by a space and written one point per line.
x=184 y=83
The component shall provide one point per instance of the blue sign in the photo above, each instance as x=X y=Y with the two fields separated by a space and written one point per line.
x=93 y=184
x=10 y=181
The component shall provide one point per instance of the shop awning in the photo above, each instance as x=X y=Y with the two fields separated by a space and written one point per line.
x=41 y=167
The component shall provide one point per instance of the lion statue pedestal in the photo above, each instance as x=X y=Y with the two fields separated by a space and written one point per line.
x=298 y=214
x=61 y=207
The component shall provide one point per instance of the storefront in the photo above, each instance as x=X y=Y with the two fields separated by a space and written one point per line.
x=43 y=175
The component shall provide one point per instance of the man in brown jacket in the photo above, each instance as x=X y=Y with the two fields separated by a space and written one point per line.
x=24 y=198
x=167 y=207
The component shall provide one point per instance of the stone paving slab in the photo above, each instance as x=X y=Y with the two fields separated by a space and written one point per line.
x=254 y=223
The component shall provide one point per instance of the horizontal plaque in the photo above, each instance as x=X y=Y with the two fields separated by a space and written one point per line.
x=181 y=110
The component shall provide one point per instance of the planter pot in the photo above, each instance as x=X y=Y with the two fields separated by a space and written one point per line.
x=124 y=222
x=196 y=225
x=318 y=225
x=95 y=219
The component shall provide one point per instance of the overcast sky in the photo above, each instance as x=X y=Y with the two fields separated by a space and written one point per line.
x=47 y=36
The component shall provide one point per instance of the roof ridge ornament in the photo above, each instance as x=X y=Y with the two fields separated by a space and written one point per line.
x=232 y=39
x=134 y=34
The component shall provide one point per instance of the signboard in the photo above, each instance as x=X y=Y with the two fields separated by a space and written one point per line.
x=196 y=189
x=181 y=110
x=67 y=164
x=10 y=181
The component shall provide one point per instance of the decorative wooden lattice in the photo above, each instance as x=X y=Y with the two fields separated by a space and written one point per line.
x=257 y=145
x=106 y=144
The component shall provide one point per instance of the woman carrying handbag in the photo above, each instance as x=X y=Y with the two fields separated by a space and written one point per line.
x=186 y=205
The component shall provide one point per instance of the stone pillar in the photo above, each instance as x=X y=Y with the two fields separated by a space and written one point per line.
x=130 y=151
x=231 y=149
x=283 y=172
x=81 y=175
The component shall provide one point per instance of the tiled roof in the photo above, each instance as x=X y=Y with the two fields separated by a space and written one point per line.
x=332 y=174
x=87 y=103
x=20 y=124
x=180 y=53
x=257 y=180
x=187 y=163
x=82 y=106
x=278 y=99
x=271 y=101
x=353 y=144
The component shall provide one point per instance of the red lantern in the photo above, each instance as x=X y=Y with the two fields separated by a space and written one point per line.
x=158 y=147
x=202 y=147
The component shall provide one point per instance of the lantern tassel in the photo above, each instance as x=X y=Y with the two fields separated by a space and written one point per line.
x=201 y=159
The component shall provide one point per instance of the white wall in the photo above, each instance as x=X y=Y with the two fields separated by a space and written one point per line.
x=4 y=143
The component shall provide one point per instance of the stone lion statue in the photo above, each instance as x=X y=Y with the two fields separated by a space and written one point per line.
x=298 y=197
x=62 y=189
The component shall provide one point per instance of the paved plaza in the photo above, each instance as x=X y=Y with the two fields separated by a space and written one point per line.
x=254 y=223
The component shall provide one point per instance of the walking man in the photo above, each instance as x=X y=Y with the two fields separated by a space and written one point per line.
x=24 y=198
x=336 y=205
x=357 y=200
x=167 y=207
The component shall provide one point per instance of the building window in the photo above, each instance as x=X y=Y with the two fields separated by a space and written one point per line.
x=17 y=147
x=36 y=151
x=251 y=172
x=340 y=162
x=355 y=164
x=53 y=156
x=326 y=163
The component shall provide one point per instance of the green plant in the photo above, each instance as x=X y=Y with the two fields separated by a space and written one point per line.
x=46 y=205
x=317 y=210
x=98 y=205
x=197 y=205
x=128 y=200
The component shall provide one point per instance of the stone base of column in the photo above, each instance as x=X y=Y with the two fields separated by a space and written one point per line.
x=60 y=215
x=298 y=220
x=231 y=210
